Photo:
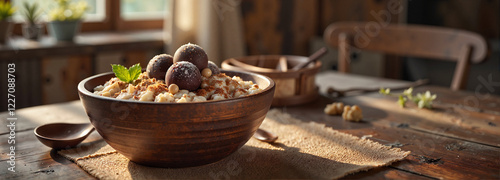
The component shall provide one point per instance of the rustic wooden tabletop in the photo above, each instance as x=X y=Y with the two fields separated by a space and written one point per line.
x=458 y=139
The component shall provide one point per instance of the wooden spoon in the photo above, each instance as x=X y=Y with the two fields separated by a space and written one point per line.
x=63 y=135
x=265 y=136
x=311 y=59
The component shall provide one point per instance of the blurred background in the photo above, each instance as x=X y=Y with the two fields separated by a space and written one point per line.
x=133 y=31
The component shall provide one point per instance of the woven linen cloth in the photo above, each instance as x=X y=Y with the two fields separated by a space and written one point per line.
x=304 y=150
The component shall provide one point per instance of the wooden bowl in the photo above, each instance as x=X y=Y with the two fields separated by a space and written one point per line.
x=177 y=134
x=293 y=87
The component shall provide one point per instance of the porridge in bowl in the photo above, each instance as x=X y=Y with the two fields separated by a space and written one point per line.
x=183 y=80
x=215 y=87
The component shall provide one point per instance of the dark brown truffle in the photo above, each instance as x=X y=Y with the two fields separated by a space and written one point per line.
x=158 y=66
x=185 y=74
x=192 y=53
x=213 y=67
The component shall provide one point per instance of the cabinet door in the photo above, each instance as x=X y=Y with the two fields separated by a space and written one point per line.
x=60 y=77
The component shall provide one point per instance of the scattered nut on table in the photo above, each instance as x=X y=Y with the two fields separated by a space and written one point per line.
x=335 y=108
x=353 y=113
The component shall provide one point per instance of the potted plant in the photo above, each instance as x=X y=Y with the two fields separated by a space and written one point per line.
x=32 y=30
x=6 y=11
x=65 y=19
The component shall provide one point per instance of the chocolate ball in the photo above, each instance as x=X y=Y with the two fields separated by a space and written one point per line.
x=192 y=53
x=158 y=66
x=214 y=68
x=185 y=74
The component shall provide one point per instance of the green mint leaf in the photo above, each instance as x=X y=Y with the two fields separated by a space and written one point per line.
x=127 y=75
x=134 y=72
x=121 y=72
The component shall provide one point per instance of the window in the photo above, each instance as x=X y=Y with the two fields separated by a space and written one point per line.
x=109 y=15
x=97 y=10
x=138 y=10
x=140 y=14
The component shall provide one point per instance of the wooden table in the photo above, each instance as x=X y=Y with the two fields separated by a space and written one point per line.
x=458 y=139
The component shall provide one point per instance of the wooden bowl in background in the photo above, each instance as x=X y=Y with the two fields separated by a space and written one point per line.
x=293 y=87
x=177 y=134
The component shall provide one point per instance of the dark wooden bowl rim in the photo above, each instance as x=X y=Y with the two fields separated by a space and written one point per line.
x=83 y=90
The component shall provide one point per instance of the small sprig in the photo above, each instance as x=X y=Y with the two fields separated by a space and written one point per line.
x=425 y=100
x=402 y=101
x=127 y=75
x=385 y=91
x=422 y=100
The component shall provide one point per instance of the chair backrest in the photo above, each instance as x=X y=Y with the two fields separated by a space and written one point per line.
x=448 y=44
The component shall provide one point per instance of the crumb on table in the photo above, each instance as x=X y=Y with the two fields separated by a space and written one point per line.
x=353 y=113
x=335 y=108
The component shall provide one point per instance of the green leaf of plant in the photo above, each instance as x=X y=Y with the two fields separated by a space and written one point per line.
x=134 y=72
x=121 y=72
x=402 y=101
x=384 y=91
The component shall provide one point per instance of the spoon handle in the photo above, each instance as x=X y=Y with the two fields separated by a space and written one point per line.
x=311 y=58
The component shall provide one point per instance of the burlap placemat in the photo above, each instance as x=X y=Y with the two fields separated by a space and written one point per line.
x=303 y=150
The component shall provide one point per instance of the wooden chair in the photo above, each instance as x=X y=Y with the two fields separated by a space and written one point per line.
x=447 y=44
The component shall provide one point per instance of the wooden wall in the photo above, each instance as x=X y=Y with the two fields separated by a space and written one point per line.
x=279 y=26
x=287 y=26
x=481 y=16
